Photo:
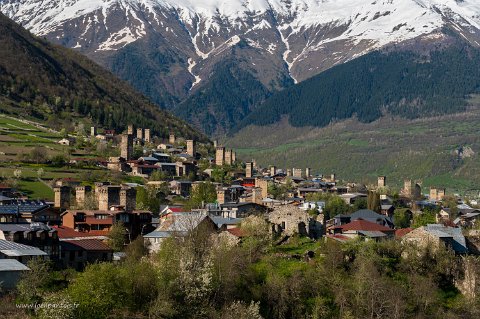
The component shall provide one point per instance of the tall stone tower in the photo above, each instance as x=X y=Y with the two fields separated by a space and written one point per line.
x=333 y=178
x=289 y=172
x=228 y=157
x=297 y=172
x=81 y=192
x=234 y=156
x=108 y=196
x=62 y=197
x=191 y=149
x=140 y=133
x=147 y=135
x=382 y=181
x=128 y=198
x=126 y=147
x=273 y=170
x=257 y=196
x=407 y=187
x=308 y=172
x=249 y=170
x=171 y=139
x=219 y=156
x=263 y=185
x=130 y=129
x=93 y=131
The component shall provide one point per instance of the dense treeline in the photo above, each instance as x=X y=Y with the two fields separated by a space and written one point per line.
x=402 y=83
x=42 y=80
x=222 y=103
x=201 y=276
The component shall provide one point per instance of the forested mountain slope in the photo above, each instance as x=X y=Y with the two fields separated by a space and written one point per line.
x=42 y=80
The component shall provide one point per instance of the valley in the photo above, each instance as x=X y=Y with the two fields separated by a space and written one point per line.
x=421 y=149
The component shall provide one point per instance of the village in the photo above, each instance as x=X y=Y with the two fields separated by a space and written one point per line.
x=219 y=191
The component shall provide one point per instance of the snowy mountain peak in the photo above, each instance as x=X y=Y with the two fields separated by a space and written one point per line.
x=272 y=39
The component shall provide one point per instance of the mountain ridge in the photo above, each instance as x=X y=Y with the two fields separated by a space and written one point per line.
x=43 y=80
x=182 y=42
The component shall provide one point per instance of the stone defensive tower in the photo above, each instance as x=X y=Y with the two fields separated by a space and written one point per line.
x=171 y=139
x=263 y=185
x=249 y=170
x=297 y=172
x=407 y=187
x=126 y=147
x=130 y=129
x=228 y=157
x=108 y=196
x=273 y=170
x=147 y=136
x=93 y=131
x=62 y=197
x=307 y=172
x=140 y=134
x=191 y=148
x=219 y=156
x=382 y=181
x=128 y=198
x=81 y=192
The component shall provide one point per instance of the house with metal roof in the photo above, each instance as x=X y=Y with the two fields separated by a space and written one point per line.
x=178 y=225
x=362 y=228
x=19 y=252
x=77 y=253
x=436 y=234
x=11 y=271
x=18 y=211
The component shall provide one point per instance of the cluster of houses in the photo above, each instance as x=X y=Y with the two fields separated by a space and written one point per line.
x=73 y=230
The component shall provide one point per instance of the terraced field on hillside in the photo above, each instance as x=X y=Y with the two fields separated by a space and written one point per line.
x=440 y=151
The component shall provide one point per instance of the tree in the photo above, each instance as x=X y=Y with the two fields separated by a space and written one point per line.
x=33 y=283
x=148 y=198
x=201 y=194
x=402 y=218
x=335 y=205
x=360 y=203
x=116 y=236
x=424 y=218
x=373 y=201
x=38 y=155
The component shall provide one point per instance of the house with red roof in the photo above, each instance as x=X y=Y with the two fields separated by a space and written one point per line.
x=77 y=253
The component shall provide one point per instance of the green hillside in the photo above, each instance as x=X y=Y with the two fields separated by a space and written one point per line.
x=52 y=84
x=421 y=149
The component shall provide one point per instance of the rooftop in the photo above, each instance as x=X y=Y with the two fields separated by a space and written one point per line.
x=12 y=249
x=12 y=265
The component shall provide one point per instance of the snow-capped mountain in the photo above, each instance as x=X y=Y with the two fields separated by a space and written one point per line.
x=181 y=42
